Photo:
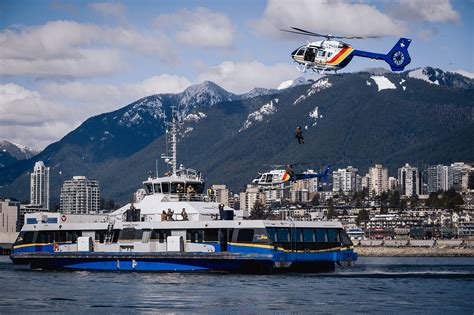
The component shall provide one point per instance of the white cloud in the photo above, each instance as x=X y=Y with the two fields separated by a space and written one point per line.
x=38 y=118
x=423 y=10
x=29 y=119
x=202 y=27
x=326 y=16
x=68 y=48
x=240 y=77
x=98 y=98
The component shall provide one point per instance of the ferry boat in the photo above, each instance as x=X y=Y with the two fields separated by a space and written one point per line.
x=174 y=226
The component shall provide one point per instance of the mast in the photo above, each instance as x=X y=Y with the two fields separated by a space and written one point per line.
x=173 y=138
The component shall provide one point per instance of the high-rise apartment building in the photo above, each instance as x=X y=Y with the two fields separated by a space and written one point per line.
x=221 y=194
x=409 y=181
x=9 y=211
x=39 y=186
x=345 y=180
x=80 y=196
x=378 y=179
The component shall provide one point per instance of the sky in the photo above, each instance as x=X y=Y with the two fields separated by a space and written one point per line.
x=64 y=61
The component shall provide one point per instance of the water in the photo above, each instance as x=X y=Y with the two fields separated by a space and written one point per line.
x=374 y=284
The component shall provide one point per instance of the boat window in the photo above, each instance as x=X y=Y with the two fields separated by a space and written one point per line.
x=157 y=188
x=245 y=235
x=160 y=235
x=272 y=234
x=296 y=235
x=308 y=236
x=283 y=235
x=130 y=234
x=25 y=238
x=321 y=236
x=165 y=187
x=333 y=236
x=149 y=188
x=194 y=236
x=100 y=235
x=345 y=239
x=211 y=235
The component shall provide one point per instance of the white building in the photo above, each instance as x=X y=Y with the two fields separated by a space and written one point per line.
x=392 y=183
x=80 y=196
x=378 y=179
x=9 y=211
x=249 y=197
x=222 y=194
x=39 y=186
x=345 y=180
x=409 y=181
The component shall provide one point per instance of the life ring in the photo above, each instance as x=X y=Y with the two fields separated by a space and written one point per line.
x=56 y=247
x=63 y=218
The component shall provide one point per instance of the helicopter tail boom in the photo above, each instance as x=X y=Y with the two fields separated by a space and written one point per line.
x=397 y=58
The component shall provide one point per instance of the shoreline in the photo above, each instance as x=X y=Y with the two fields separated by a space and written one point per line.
x=413 y=251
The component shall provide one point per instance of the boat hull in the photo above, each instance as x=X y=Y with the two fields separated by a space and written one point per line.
x=177 y=262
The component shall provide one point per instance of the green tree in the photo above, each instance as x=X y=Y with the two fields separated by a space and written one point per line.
x=258 y=212
x=362 y=216
x=331 y=213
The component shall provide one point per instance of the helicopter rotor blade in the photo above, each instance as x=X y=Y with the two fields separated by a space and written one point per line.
x=301 y=31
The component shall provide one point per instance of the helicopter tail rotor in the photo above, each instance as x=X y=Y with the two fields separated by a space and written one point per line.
x=398 y=57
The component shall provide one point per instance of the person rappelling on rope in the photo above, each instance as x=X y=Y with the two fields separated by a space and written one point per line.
x=299 y=135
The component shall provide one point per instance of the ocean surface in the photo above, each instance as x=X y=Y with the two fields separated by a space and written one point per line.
x=374 y=284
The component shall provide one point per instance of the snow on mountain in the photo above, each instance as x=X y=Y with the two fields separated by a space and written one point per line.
x=318 y=86
x=204 y=94
x=315 y=115
x=292 y=83
x=265 y=110
x=255 y=92
x=194 y=117
x=422 y=74
x=383 y=83
x=151 y=106
x=19 y=151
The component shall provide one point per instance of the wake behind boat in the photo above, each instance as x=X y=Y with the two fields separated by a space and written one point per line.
x=173 y=226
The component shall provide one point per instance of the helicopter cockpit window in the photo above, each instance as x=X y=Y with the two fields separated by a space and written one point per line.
x=321 y=53
x=269 y=178
x=300 y=52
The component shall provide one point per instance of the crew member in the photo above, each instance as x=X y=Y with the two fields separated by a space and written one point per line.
x=184 y=215
x=170 y=215
x=164 y=216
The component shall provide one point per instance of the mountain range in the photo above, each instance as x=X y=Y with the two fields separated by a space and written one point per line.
x=421 y=117
x=12 y=152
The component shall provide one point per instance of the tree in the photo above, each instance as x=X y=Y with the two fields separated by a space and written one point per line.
x=258 y=212
x=362 y=216
x=331 y=213
x=315 y=200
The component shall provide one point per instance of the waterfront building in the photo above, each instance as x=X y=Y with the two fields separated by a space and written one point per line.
x=249 y=197
x=39 y=186
x=392 y=183
x=365 y=182
x=378 y=180
x=80 y=196
x=345 y=180
x=221 y=194
x=409 y=181
x=9 y=211
x=460 y=175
